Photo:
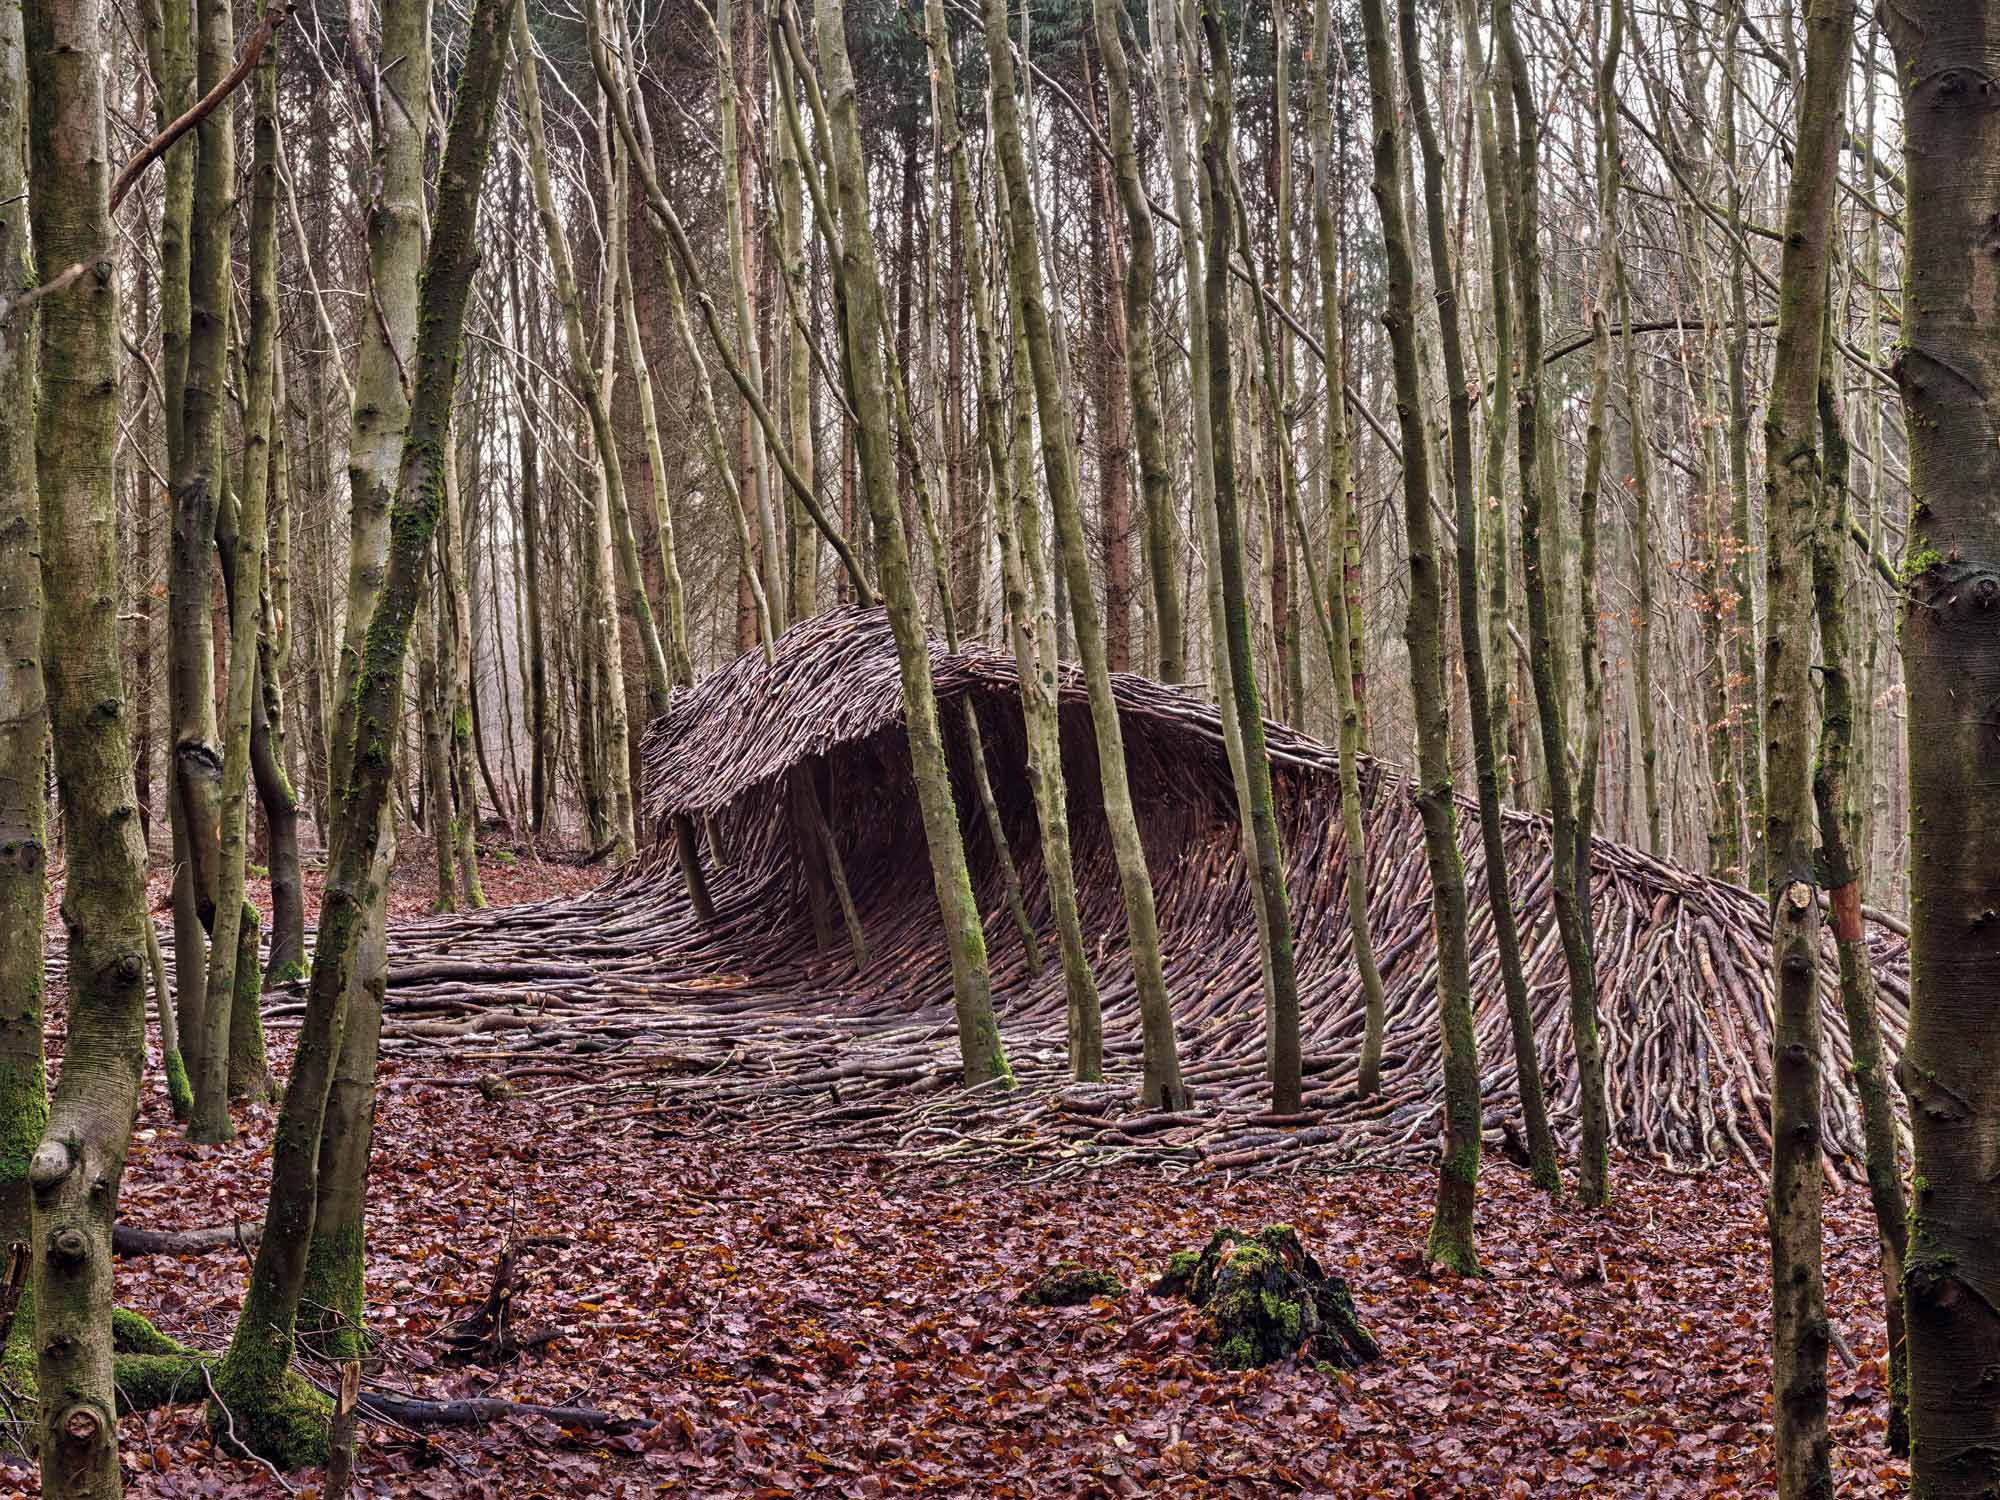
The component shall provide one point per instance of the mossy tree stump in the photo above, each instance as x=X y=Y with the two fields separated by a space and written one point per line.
x=1264 y=1297
x=1068 y=1283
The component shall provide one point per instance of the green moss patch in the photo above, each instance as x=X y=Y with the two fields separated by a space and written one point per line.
x=1069 y=1283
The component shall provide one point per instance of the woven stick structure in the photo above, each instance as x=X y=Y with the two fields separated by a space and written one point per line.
x=624 y=995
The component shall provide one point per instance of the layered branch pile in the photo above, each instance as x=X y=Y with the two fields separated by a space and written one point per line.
x=625 y=995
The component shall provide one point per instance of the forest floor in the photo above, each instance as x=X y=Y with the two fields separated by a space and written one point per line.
x=830 y=1323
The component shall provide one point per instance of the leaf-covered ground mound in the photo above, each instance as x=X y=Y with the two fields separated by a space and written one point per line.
x=833 y=1324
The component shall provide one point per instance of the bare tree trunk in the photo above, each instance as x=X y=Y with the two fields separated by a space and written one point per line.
x=75 y=1171
x=795 y=267
x=972 y=986
x=1163 y=1086
x=1642 y=557
x=1339 y=469
x=272 y=1412
x=437 y=752
x=1541 y=565
x=1156 y=483
x=196 y=474
x=334 y=1294
x=458 y=803
x=1451 y=1235
x=24 y=724
x=530 y=498
x=1542 y=1163
x=679 y=657
x=1794 y=479
x=1748 y=707
x=1841 y=813
x=737 y=159
x=1030 y=618
x=269 y=734
x=248 y=540
x=1228 y=227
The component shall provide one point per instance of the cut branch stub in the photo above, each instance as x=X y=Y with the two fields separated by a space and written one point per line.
x=1264 y=1298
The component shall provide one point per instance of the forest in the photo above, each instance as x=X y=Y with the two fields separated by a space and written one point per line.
x=999 y=748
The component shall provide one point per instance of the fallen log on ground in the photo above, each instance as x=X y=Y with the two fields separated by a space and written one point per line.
x=128 y=1240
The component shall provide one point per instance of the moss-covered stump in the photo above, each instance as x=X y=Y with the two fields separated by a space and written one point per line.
x=1069 y=1283
x=1264 y=1298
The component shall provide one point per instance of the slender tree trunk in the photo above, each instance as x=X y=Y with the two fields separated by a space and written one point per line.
x=1542 y=1163
x=529 y=494
x=1029 y=613
x=679 y=657
x=1794 y=479
x=144 y=506
x=1590 y=627
x=1451 y=1236
x=1339 y=470
x=1748 y=704
x=1540 y=564
x=1642 y=557
x=1842 y=810
x=196 y=475
x=804 y=600
x=270 y=748
x=1111 y=357
x=1173 y=34
x=458 y=804
x=24 y=724
x=74 y=1173
x=1283 y=1062
x=972 y=986
x=396 y=101
x=170 y=54
x=437 y=751
x=737 y=157
x=1156 y=485
x=249 y=529
x=1163 y=1086
x=270 y=1412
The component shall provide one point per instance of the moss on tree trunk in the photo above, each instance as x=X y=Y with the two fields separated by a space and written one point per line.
x=972 y=986
x=24 y=1097
x=1025 y=586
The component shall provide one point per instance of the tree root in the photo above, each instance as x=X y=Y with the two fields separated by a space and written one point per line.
x=150 y=1368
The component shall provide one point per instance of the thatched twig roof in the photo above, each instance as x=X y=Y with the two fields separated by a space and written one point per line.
x=834 y=682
